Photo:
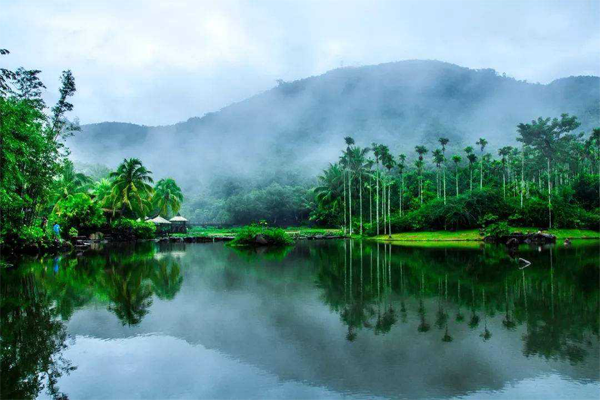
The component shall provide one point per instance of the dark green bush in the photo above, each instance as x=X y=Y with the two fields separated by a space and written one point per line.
x=129 y=229
x=79 y=212
x=250 y=236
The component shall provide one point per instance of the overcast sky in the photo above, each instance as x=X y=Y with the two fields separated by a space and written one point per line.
x=160 y=62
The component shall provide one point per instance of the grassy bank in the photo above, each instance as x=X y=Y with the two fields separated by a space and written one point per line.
x=473 y=235
x=198 y=231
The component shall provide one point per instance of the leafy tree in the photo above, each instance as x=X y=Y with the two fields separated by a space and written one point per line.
x=131 y=193
x=167 y=197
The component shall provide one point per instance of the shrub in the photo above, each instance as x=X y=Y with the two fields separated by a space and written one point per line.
x=73 y=232
x=79 y=212
x=255 y=235
x=497 y=230
x=129 y=229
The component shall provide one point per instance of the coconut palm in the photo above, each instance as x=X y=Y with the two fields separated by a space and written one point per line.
x=71 y=182
x=456 y=159
x=167 y=197
x=101 y=192
x=131 y=191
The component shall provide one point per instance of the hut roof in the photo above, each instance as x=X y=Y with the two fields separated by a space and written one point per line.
x=159 y=220
x=178 y=218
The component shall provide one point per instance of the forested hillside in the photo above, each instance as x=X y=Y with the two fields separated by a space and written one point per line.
x=289 y=133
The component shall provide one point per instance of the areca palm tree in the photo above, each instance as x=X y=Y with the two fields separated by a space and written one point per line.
x=131 y=190
x=481 y=143
x=504 y=152
x=457 y=159
x=444 y=141
x=421 y=151
x=438 y=159
x=401 y=166
x=167 y=197
x=472 y=159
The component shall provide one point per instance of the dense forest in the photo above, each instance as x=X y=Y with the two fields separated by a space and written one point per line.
x=549 y=178
x=41 y=187
x=278 y=141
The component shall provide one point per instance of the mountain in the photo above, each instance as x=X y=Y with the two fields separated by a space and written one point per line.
x=296 y=128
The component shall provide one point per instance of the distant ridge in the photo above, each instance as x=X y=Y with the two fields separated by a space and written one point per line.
x=297 y=127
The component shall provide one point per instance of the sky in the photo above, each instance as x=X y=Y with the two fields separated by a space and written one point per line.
x=161 y=62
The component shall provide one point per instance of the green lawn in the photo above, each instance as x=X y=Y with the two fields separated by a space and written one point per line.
x=473 y=235
x=211 y=231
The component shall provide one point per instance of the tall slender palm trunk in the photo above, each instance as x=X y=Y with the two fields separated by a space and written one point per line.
x=390 y=210
x=377 y=198
x=350 y=199
x=549 y=197
x=345 y=204
x=361 y=203
x=444 y=178
x=481 y=174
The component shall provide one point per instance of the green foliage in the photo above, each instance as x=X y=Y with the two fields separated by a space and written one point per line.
x=251 y=235
x=80 y=212
x=167 y=197
x=131 y=193
x=129 y=229
x=497 y=230
x=30 y=150
x=73 y=232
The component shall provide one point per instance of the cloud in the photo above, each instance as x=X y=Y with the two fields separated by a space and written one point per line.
x=155 y=62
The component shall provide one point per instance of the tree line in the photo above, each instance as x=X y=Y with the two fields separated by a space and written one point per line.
x=371 y=189
x=40 y=185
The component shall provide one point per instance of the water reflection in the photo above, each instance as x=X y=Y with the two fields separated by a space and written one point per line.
x=441 y=303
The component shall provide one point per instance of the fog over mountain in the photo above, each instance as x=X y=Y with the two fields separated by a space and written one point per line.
x=297 y=128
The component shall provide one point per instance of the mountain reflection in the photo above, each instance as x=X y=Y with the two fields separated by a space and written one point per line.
x=449 y=296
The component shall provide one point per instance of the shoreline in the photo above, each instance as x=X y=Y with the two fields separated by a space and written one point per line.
x=474 y=237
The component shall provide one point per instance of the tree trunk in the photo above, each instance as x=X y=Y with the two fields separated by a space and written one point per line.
x=390 y=210
x=457 y=181
x=377 y=199
x=345 y=204
x=350 y=200
x=361 y=203
x=549 y=197
x=522 y=175
x=481 y=174
x=471 y=178
x=444 y=179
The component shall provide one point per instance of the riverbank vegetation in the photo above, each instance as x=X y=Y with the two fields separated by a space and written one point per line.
x=550 y=181
x=41 y=187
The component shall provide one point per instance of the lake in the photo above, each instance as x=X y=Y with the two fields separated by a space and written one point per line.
x=324 y=319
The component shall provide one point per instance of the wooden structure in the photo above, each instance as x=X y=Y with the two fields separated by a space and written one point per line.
x=162 y=225
x=178 y=224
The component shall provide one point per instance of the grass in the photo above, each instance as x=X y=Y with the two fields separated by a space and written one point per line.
x=198 y=231
x=472 y=235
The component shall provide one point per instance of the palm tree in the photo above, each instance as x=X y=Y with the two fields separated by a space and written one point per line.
x=377 y=153
x=349 y=143
x=101 y=192
x=438 y=159
x=401 y=166
x=356 y=157
x=481 y=143
x=472 y=159
x=421 y=151
x=131 y=191
x=389 y=164
x=457 y=159
x=71 y=182
x=167 y=197
x=444 y=142
x=329 y=193
x=504 y=152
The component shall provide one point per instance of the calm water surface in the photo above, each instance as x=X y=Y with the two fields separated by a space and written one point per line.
x=336 y=319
